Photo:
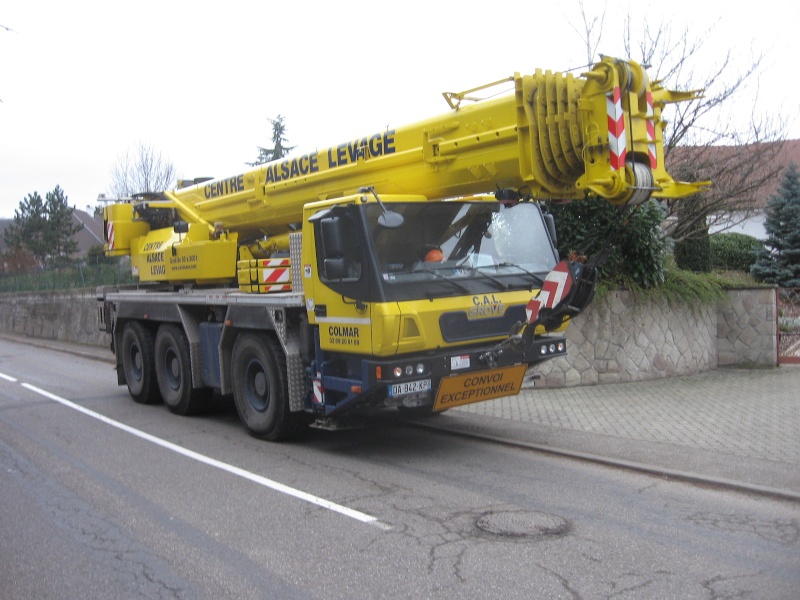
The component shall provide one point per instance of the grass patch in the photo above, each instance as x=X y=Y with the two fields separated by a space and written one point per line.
x=678 y=287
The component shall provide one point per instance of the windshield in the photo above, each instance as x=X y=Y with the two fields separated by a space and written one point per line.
x=446 y=248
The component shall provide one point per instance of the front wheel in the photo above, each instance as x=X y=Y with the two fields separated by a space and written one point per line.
x=260 y=389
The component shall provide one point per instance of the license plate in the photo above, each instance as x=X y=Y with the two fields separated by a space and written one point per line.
x=409 y=387
x=478 y=386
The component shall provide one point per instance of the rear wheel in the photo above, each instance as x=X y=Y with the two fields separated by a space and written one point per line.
x=260 y=389
x=174 y=372
x=138 y=363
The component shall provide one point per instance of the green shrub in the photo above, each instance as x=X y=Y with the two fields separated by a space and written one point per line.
x=638 y=251
x=733 y=251
x=694 y=254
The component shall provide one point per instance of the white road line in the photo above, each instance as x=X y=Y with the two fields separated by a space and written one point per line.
x=258 y=479
x=7 y=377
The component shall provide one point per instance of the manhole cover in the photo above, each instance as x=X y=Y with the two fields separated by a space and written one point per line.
x=523 y=524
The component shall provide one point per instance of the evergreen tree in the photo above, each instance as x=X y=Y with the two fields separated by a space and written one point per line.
x=44 y=228
x=781 y=264
x=279 y=148
x=61 y=226
x=28 y=232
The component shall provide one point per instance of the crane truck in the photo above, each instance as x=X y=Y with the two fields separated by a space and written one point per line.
x=411 y=268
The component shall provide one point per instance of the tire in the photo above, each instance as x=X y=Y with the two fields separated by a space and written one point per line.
x=138 y=363
x=260 y=389
x=174 y=372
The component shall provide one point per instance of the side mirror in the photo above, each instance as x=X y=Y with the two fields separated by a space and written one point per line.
x=335 y=268
x=390 y=219
x=335 y=264
x=331 y=233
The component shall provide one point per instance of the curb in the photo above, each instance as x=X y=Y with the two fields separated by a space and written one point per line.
x=675 y=474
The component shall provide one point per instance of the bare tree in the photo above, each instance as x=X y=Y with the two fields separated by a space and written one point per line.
x=592 y=29
x=145 y=171
x=702 y=142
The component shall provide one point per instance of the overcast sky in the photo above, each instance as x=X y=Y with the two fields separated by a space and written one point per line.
x=82 y=82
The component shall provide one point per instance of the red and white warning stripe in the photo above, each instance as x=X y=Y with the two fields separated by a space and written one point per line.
x=275 y=270
x=110 y=235
x=556 y=285
x=274 y=276
x=280 y=287
x=274 y=262
x=651 y=131
x=318 y=390
x=618 y=145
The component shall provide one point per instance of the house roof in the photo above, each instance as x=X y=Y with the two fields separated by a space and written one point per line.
x=744 y=177
x=790 y=153
x=92 y=232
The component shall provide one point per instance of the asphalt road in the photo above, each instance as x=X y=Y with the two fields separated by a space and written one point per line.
x=104 y=498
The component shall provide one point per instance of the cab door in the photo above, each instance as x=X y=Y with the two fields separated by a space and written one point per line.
x=337 y=282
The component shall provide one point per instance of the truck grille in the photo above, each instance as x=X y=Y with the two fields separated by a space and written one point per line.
x=457 y=327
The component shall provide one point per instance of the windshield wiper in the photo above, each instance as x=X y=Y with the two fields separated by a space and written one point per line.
x=501 y=284
x=533 y=276
x=464 y=289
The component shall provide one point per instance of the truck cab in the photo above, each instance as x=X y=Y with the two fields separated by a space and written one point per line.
x=405 y=293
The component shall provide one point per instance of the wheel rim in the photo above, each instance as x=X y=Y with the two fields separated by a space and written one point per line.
x=172 y=369
x=137 y=362
x=256 y=386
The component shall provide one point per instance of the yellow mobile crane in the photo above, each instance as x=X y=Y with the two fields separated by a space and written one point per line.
x=410 y=268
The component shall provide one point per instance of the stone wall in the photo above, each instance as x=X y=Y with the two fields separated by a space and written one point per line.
x=747 y=328
x=67 y=316
x=618 y=338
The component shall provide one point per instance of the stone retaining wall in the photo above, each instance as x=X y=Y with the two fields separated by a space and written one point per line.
x=748 y=328
x=619 y=338
x=69 y=316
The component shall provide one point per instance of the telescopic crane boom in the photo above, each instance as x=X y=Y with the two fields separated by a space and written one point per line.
x=556 y=137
